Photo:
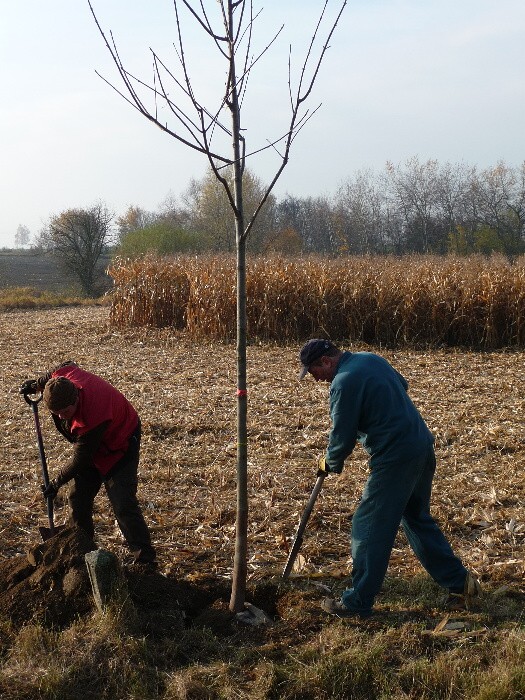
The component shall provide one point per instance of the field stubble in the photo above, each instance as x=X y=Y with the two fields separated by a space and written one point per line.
x=185 y=393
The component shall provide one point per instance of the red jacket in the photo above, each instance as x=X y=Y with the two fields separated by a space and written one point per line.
x=99 y=402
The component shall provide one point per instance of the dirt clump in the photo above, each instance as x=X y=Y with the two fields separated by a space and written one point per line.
x=50 y=584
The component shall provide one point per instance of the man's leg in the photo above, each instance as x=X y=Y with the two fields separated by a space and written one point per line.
x=82 y=492
x=426 y=538
x=374 y=528
x=121 y=488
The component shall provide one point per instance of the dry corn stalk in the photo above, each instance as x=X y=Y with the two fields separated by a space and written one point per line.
x=414 y=300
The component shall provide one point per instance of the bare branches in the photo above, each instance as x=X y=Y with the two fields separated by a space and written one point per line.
x=77 y=238
x=296 y=121
x=197 y=142
x=198 y=131
x=204 y=23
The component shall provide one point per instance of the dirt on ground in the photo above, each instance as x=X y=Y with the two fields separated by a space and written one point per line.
x=51 y=586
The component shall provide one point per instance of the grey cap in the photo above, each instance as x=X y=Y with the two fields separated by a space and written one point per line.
x=312 y=351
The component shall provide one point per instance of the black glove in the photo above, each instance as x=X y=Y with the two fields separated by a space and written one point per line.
x=30 y=386
x=51 y=490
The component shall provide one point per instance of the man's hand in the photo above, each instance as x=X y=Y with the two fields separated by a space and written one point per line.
x=51 y=490
x=30 y=386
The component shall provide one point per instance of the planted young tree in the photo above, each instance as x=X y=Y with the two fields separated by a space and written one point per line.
x=170 y=100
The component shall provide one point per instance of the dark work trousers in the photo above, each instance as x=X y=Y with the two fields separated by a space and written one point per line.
x=398 y=493
x=121 y=488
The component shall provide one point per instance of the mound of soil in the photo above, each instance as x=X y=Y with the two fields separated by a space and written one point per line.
x=50 y=585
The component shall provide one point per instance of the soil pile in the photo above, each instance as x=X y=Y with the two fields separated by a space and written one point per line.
x=49 y=585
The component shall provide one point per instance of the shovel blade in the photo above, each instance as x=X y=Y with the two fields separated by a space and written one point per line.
x=46 y=533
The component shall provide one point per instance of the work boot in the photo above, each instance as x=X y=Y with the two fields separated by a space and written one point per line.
x=469 y=598
x=338 y=608
x=145 y=567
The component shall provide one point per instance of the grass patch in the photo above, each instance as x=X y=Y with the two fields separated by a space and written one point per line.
x=15 y=298
x=395 y=655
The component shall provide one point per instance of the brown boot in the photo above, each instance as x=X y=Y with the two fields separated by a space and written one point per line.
x=470 y=598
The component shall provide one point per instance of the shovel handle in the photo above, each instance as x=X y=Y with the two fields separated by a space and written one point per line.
x=43 y=462
x=302 y=525
x=34 y=407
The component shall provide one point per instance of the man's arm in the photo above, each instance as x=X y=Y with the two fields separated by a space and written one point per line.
x=344 y=413
x=85 y=447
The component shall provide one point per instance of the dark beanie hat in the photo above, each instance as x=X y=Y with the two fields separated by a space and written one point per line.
x=59 y=393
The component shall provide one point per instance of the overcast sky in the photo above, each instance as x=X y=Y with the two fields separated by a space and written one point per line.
x=439 y=79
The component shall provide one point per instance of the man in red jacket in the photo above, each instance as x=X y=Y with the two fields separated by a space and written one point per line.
x=105 y=431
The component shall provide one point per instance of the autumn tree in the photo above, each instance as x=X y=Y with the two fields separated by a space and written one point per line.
x=360 y=215
x=313 y=220
x=171 y=99
x=453 y=186
x=133 y=219
x=211 y=213
x=498 y=205
x=415 y=188
x=77 y=238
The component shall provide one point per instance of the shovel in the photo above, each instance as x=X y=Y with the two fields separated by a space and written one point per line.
x=302 y=525
x=45 y=532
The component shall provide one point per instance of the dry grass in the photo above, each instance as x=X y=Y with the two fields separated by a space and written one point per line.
x=395 y=302
x=30 y=298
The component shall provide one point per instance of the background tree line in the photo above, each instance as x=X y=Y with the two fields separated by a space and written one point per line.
x=414 y=207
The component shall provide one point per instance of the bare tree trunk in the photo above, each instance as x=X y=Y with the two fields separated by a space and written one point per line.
x=240 y=564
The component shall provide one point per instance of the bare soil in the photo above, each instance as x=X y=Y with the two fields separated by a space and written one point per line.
x=185 y=394
x=25 y=268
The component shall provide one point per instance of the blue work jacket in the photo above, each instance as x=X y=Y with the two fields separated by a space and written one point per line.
x=369 y=404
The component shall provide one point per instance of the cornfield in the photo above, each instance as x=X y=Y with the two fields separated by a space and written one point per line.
x=417 y=301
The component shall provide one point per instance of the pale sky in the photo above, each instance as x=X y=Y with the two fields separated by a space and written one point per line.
x=439 y=79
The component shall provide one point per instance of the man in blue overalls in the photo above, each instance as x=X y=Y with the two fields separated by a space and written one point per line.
x=369 y=404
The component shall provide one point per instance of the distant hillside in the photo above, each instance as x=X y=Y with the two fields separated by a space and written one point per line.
x=22 y=268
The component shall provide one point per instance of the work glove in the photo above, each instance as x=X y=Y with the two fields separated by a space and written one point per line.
x=30 y=386
x=51 y=490
x=322 y=467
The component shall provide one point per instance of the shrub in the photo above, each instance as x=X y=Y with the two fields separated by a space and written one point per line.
x=161 y=238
